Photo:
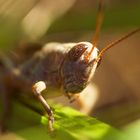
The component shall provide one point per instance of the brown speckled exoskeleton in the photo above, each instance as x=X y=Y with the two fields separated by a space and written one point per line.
x=65 y=67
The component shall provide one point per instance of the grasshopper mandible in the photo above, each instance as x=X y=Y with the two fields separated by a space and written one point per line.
x=67 y=67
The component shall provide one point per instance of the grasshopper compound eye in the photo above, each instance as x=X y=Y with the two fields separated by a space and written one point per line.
x=83 y=51
x=79 y=66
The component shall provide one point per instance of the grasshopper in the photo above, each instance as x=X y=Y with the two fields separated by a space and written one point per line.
x=65 y=67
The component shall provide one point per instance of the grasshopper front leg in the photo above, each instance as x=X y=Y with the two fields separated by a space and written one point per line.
x=37 y=88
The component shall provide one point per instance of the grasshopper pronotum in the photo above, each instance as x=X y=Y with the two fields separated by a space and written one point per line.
x=67 y=68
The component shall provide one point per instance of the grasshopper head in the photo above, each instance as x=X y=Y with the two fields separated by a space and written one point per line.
x=78 y=67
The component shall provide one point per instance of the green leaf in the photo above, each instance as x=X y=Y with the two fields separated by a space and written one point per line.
x=133 y=130
x=69 y=124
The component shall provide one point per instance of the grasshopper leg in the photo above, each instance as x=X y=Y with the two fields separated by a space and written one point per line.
x=37 y=88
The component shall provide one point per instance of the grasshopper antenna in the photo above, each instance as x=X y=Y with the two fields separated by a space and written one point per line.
x=99 y=20
x=112 y=44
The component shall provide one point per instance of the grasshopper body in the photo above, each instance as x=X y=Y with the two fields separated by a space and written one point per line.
x=58 y=65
